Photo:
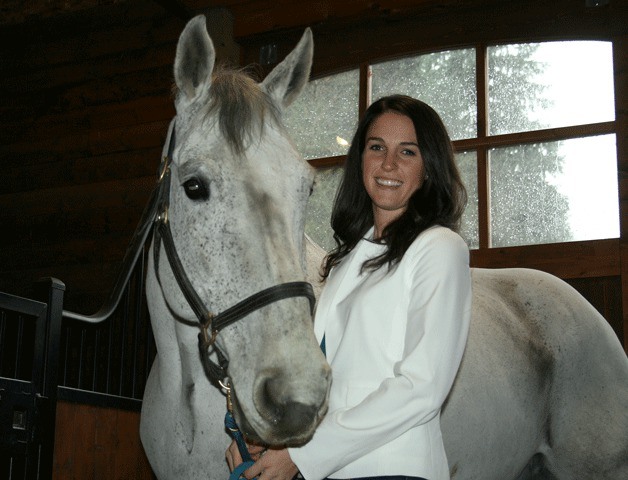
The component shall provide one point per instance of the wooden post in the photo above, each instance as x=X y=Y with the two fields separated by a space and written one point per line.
x=620 y=61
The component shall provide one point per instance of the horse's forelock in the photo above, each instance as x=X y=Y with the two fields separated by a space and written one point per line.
x=240 y=107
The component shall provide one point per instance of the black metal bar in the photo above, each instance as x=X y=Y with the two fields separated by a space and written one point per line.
x=109 y=366
x=3 y=320
x=125 y=324
x=66 y=355
x=95 y=360
x=18 y=347
x=54 y=291
x=80 y=361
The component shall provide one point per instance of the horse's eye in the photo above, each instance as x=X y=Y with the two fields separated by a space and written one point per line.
x=195 y=189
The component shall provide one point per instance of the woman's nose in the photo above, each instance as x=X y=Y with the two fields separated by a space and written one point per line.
x=390 y=161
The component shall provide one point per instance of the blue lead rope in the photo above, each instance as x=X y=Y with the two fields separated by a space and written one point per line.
x=236 y=434
x=238 y=472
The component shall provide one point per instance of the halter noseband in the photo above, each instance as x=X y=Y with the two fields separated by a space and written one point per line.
x=209 y=324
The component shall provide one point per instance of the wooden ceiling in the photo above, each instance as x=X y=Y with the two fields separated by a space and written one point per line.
x=250 y=16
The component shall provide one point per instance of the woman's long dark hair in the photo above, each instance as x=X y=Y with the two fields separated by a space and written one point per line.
x=440 y=201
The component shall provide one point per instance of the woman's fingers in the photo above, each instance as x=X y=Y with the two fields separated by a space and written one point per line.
x=233 y=456
x=273 y=465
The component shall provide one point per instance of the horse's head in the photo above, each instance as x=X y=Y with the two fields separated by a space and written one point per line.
x=238 y=194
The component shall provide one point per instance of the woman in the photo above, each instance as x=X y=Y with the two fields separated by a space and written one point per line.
x=395 y=310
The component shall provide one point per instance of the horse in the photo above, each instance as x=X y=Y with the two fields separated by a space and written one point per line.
x=542 y=391
x=230 y=222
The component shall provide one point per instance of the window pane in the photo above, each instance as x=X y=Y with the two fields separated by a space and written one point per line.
x=469 y=228
x=318 y=220
x=546 y=85
x=554 y=192
x=444 y=80
x=323 y=118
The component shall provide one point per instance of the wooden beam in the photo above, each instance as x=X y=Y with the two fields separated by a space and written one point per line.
x=620 y=60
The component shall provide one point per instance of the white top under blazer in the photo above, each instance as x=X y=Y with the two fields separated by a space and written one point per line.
x=394 y=341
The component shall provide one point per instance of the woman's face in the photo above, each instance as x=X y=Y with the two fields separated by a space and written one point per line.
x=392 y=166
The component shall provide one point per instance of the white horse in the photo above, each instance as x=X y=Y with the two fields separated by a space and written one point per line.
x=233 y=195
x=542 y=392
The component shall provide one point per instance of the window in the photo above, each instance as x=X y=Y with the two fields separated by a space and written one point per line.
x=541 y=167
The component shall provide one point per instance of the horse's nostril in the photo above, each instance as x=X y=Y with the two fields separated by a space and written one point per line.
x=276 y=405
x=296 y=417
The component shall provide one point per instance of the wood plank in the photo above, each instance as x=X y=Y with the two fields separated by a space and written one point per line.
x=76 y=35
x=106 y=446
x=59 y=172
x=79 y=198
x=95 y=142
x=596 y=258
x=620 y=60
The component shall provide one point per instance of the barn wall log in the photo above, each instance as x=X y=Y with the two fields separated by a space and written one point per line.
x=85 y=103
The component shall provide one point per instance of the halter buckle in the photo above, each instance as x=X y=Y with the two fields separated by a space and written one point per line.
x=163 y=216
x=165 y=165
x=207 y=340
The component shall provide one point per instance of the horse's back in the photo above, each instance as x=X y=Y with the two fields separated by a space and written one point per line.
x=538 y=357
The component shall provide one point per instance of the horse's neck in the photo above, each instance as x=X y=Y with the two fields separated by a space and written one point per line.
x=177 y=343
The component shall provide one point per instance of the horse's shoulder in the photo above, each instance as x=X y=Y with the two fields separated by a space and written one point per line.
x=523 y=284
x=537 y=304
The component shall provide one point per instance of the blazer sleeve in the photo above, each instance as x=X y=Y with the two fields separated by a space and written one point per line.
x=438 y=316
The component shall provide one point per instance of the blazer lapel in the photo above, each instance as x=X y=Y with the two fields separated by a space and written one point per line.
x=339 y=285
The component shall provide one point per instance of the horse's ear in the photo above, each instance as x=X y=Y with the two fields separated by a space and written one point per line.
x=287 y=79
x=194 y=61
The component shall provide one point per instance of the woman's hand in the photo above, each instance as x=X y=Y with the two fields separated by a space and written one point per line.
x=273 y=465
x=233 y=454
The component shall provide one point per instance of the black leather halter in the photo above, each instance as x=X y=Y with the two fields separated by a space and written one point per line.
x=209 y=323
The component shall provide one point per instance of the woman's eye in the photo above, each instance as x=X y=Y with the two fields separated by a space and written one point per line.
x=195 y=189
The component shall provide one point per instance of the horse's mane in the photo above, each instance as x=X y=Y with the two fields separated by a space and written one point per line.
x=239 y=106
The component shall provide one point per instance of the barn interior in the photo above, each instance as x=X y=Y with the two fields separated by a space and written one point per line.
x=85 y=102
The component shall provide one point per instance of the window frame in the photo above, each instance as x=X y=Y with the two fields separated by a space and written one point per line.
x=554 y=257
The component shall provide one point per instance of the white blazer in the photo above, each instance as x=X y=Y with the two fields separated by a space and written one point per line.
x=394 y=341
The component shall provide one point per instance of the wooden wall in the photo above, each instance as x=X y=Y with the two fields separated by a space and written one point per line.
x=84 y=104
x=84 y=107
x=96 y=443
